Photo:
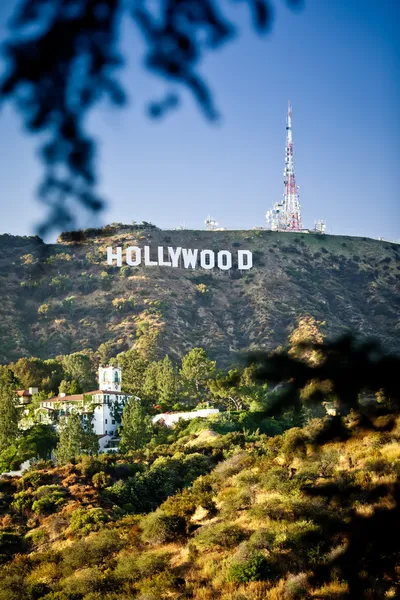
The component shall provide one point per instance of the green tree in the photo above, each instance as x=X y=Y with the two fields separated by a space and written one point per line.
x=70 y=387
x=167 y=382
x=151 y=382
x=197 y=370
x=75 y=439
x=8 y=410
x=54 y=375
x=134 y=369
x=136 y=426
x=34 y=372
x=238 y=389
x=81 y=368
x=37 y=442
x=103 y=354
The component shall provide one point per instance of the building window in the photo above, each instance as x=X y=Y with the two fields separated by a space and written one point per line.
x=106 y=421
x=113 y=421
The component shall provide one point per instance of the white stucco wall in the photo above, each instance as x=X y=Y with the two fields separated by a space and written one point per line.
x=103 y=420
x=170 y=419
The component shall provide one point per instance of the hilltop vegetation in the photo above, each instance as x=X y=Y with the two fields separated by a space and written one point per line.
x=59 y=298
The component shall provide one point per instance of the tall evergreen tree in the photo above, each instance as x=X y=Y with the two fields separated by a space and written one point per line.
x=75 y=439
x=151 y=382
x=134 y=371
x=197 y=370
x=167 y=382
x=136 y=426
x=8 y=410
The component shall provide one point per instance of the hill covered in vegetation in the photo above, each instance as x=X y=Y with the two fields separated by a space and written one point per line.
x=60 y=298
x=210 y=512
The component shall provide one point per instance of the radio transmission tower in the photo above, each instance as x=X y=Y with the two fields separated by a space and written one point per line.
x=286 y=215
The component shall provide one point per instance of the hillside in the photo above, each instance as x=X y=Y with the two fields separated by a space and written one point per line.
x=258 y=519
x=60 y=298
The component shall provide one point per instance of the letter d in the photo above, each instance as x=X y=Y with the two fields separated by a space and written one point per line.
x=245 y=264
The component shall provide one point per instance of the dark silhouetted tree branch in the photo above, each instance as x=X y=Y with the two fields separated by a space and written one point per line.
x=368 y=552
x=63 y=57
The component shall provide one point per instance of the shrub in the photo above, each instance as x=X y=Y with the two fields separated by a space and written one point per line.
x=296 y=587
x=201 y=288
x=27 y=259
x=123 y=304
x=255 y=568
x=134 y=566
x=235 y=499
x=149 y=563
x=44 y=308
x=60 y=282
x=181 y=505
x=277 y=479
x=126 y=567
x=294 y=443
x=83 y=521
x=101 y=480
x=96 y=548
x=22 y=501
x=48 y=498
x=33 y=479
x=233 y=465
x=158 y=527
x=273 y=508
x=88 y=581
x=89 y=465
x=262 y=539
x=38 y=537
x=300 y=536
x=221 y=534
x=379 y=465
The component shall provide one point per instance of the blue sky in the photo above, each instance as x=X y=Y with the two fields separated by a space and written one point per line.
x=338 y=61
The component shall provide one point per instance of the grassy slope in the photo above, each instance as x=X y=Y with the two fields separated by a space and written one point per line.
x=348 y=282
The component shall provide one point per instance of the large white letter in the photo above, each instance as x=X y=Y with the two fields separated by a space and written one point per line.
x=207 y=259
x=161 y=262
x=224 y=265
x=174 y=254
x=249 y=259
x=147 y=261
x=117 y=255
x=138 y=256
x=189 y=258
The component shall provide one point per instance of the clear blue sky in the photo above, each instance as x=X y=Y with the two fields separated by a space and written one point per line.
x=338 y=61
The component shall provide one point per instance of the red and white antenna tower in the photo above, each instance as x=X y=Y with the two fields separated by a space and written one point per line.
x=286 y=216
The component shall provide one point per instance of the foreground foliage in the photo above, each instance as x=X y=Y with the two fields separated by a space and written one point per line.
x=233 y=516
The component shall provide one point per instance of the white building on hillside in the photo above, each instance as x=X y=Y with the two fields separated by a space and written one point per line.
x=103 y=406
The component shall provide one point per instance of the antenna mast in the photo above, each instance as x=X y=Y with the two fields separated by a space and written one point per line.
x=286 y=215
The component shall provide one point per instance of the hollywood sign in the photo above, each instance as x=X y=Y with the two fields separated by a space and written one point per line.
x=178 y=258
